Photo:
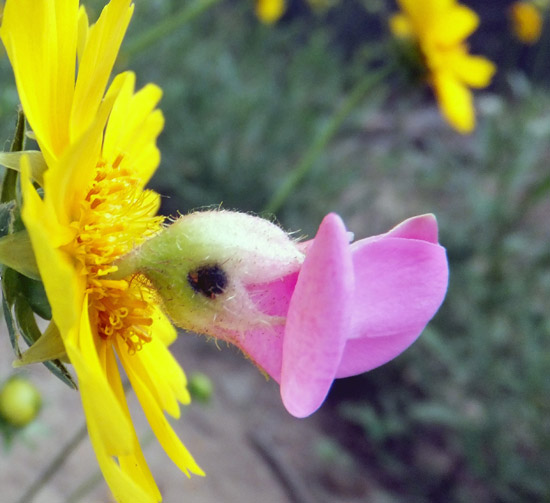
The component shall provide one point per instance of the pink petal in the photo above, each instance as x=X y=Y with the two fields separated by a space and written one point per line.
x=423 y=227
x=264 y=343
x=399 y=285
x=264 y=347
x=318 y=320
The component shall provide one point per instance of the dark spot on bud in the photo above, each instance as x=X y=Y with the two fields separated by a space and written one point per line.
x=209 y=280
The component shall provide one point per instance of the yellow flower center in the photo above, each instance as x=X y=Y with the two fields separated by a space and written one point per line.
x=116 y=215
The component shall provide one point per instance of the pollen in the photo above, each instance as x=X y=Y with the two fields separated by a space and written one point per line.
x=115 y=216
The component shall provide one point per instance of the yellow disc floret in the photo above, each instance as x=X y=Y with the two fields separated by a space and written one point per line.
x=116 y=215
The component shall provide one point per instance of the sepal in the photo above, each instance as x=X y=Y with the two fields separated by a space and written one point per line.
x=16 y=252
x=38 y=166
x=49 y=346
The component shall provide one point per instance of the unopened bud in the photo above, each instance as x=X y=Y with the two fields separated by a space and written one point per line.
x=201 y=265
x=19 y=401
x=200 y=386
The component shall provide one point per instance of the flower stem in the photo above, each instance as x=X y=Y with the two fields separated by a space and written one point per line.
x=293 y=179
x=55 y=465
x=9 y=183
x=165 y=27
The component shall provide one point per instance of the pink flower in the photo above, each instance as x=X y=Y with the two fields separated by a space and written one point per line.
x=304 y=313
x=350 y=307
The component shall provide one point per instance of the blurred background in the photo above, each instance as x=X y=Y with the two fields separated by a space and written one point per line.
x=464 y=414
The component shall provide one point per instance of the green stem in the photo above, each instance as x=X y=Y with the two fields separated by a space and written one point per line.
x=54 y=466
x=18 y=142
x=166 y=26
x=9 y=183
x=293 y=179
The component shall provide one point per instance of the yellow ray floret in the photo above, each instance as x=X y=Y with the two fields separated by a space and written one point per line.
x=41 y=38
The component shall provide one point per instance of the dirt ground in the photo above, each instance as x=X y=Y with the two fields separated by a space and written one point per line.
x=251 y=449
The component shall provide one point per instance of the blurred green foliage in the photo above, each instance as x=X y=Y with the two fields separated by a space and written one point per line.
x=464 y=415
x=242 y=103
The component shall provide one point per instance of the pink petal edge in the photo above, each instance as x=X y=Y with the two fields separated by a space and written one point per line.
x=400 y=284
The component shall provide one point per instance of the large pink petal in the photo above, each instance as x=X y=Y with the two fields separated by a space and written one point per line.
x=318 y=320
x=399 y=285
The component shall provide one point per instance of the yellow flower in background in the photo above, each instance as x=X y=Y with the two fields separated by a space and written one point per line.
x=100 y=150
x=440 y=28
x=526 y=22
x=270 y=11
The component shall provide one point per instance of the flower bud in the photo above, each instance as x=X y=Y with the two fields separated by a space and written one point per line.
x=200 y=386
x=201 y=264
x=19 y=402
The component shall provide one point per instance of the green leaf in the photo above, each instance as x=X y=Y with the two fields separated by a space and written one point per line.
x=35 y=294
x=9 y=184
x=9 y=287
x=18 y=142
x=20 y=319
x=58 y=369
x=25 y=321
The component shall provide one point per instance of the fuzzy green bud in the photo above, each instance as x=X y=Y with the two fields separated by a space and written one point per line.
x=20 y=402
x=201 y=264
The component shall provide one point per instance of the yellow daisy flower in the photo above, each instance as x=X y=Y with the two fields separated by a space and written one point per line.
x=270 y=11
x=526 y=21
x=440 y=28
x=100 y=150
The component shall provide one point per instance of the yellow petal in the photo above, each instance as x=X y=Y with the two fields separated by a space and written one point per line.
x=65 y=290
x=163 y=431
x=474 y=71
x=454 y=25
x=100 y=403
x=98 y=57
x=124 y=488
x=66 y=184
x=133 y=128
x=163 y=328
x=270 y=11
x=161 y=375
x=40 y=39
x=133 y=464
x=166 y=374
x=423 y=13
x=83 y=29
x=455 y=101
